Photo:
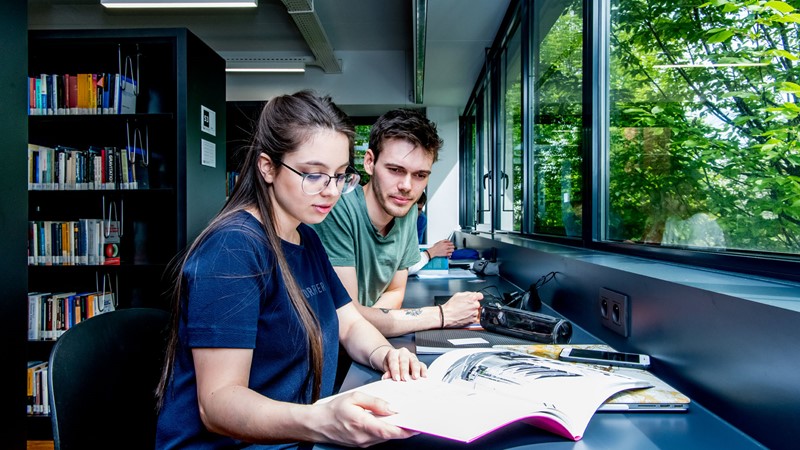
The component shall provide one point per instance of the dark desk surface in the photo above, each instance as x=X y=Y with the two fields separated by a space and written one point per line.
x=696 y=429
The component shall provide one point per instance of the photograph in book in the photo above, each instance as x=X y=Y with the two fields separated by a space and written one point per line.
x=660 y=397
x=505 y=387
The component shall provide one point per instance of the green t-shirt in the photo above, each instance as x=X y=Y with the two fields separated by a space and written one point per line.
x=352 y=241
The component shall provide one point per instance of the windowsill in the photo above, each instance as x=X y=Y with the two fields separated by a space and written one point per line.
x=774 y=292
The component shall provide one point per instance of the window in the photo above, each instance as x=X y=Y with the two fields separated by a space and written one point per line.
x=690 y=139
x=468 y=141
x=703 y=137
x=484 y=162
x=556 y=109
x=510 y=146
x=363 y=126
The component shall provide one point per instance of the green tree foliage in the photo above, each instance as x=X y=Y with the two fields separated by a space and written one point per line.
x=361 y=142
x=704 y=119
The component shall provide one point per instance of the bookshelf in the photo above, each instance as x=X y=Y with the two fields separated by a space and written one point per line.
x=177 y=155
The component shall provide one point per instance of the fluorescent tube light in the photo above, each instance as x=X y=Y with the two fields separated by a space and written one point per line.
x=264 y=70
x=264 y=65
x=179 y=3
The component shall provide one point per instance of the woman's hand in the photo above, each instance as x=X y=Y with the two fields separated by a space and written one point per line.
x=442 y=248
x=352 y=420
x=398 y=364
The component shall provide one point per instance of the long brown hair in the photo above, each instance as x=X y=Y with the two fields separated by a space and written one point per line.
x=284 y=124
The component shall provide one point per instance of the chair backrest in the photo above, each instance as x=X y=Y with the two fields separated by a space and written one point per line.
x=102 y=378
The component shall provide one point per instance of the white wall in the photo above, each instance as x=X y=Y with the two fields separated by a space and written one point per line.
x=442 y=206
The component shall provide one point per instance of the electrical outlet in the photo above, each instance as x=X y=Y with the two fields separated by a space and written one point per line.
x=615 y=312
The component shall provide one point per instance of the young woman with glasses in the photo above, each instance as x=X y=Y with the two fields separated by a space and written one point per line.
x=259 y=312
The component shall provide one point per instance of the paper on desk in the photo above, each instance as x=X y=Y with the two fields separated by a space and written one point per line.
x=451 y=273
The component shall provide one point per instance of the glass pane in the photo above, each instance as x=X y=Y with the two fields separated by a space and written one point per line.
x=361 y=142
x=470 y=177
x=485 y=163
x=704 y=148
x=511 y=145
x=557 y=66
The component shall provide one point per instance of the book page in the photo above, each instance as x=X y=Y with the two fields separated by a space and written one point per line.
x=518 y=374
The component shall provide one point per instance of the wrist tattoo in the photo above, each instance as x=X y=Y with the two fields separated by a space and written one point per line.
x=385 y=310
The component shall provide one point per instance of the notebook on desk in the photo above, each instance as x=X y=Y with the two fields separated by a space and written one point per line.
x=436 y=342
x=660 y=398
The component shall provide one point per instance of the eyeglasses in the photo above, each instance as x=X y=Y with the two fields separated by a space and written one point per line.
x=316 y=182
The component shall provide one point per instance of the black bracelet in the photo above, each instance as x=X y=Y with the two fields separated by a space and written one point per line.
x=430 y=258
x=441 y=312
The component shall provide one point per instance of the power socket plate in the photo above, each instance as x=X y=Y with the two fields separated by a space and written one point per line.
x=614 y=310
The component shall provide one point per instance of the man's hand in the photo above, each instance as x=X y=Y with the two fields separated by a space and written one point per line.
x=442 y=248
x=463 y=308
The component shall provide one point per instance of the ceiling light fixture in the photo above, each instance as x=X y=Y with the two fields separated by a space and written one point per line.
x=179 y=3
x=264 y=67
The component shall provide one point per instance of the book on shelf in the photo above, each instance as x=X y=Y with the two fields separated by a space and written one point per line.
x=35 y=310
x=470 y=393
x=66 y=168
x=32 y=94
x=59 y=314
x=660 y=397
x=81 y=242
x=72 y=93
x=109 y=157
x=80 y=94
x=88 y=249
x=111 y=239
x=125 y=179
x=52 y=314
x=125 y=93
x=37 y=401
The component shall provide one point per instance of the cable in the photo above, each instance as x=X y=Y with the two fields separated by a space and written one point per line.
x=544 y=280
x=489 y=296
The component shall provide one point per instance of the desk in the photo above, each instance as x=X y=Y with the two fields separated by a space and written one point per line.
x=696 y=429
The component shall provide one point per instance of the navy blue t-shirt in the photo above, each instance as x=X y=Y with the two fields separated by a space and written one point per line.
x=422 y=223
x=234 y=297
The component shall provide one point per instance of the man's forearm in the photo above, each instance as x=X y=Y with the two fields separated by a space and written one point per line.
x=396 y=322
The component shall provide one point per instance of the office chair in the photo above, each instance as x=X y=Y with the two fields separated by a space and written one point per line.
x=102 y=377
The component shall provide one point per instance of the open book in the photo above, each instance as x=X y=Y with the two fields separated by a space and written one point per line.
x=471 y=392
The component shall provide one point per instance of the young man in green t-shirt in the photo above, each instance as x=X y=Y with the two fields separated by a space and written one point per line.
x=371 y=233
